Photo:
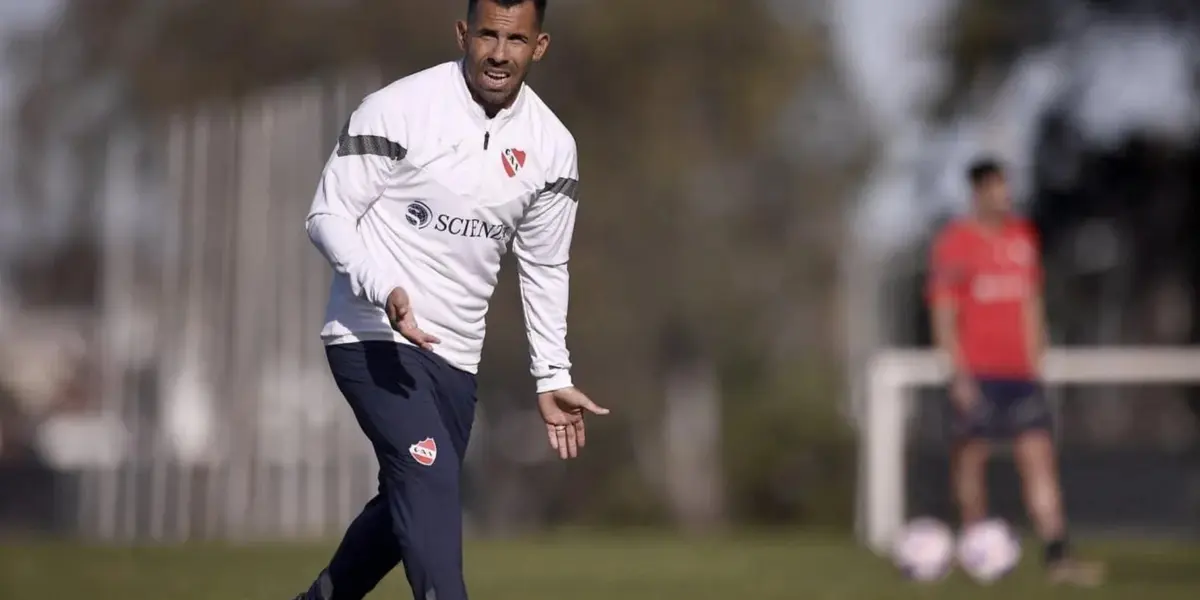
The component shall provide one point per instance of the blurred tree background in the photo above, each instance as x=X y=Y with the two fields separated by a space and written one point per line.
x=718 y=147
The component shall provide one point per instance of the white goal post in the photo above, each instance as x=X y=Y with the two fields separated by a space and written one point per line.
x=893 y=374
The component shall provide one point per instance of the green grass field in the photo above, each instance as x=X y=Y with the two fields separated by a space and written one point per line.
x=573 y=568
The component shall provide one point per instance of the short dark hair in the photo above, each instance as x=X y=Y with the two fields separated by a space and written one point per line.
x=540 y=5
x=983 y=169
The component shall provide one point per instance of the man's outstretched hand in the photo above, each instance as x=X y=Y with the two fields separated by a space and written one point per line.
x=400 y=315
x=562 y=410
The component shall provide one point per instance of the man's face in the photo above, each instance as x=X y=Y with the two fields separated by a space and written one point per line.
x=991 y=196
x=499 y=44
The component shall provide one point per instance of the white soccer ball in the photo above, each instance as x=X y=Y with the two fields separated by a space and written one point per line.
x=988 y=550
x=924 y=550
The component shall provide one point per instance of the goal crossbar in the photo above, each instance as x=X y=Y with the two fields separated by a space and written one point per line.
x=892 y=375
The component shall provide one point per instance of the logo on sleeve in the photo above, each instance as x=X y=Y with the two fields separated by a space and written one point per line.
x=513 y=160
x=424 y=451
x=418 y=214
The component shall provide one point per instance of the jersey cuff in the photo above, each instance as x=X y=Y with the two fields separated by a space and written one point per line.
x=555 y=381
x=381 y=292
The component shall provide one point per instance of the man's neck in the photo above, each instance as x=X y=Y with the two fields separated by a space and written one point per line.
x=989 y=223
x=489 y=110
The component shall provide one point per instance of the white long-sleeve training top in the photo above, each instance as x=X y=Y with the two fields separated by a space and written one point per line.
x=426 y=193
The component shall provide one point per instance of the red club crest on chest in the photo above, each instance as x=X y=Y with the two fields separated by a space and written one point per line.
x=513 y=161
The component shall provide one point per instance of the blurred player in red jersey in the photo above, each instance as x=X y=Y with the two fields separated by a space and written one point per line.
x=985 y=294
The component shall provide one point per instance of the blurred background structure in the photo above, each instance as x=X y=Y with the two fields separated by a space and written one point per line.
x=761 y=178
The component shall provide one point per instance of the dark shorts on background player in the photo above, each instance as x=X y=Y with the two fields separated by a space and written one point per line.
x=1006 y=408
x=417 y=412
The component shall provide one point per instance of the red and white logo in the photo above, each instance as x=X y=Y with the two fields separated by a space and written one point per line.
x=424 y=451
x=513 y=160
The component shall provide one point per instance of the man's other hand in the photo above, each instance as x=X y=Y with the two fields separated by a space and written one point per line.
x=562 y=410
x=399 y=313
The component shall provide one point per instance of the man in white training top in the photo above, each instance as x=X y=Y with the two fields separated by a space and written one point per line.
x=434 y=176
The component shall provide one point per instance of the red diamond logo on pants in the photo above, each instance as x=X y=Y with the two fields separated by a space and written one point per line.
x=424 y=451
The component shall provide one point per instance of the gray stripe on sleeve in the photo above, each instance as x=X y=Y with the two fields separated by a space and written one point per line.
x=565 y=186
x=364 y=145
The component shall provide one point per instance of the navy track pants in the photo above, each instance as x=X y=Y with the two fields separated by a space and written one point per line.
x=417 y=411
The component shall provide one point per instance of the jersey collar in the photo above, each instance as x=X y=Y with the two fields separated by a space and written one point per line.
x=476 y=112
x=991 y=231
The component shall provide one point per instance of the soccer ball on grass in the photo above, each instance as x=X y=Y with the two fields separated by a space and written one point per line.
x=988 y=550
x=924 y=550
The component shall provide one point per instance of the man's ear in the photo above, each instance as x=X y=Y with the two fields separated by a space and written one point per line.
x=540 y=46
x=461 y=31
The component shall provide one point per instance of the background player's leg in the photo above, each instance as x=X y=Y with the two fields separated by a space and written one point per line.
x=1029 y=417
x=968 y=476
x=1034 y=455
x=969 y=455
